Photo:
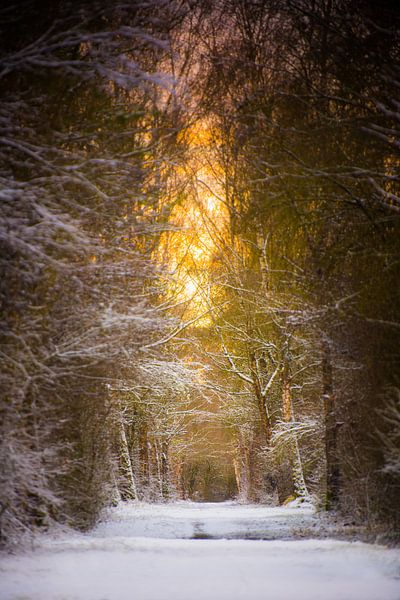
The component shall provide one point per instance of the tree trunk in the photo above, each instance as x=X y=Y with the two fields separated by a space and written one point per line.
x=127 y=486
x=298 y=474
x=296 y=485
x=144 y=456
x=331 y=429
x=261 y=404
x=285 y=475
x=286 y=394
x=165 y=483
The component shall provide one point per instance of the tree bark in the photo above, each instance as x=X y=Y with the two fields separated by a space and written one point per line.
x=261 y=404
x=165 y=484
x=331 y=429
x=286 y=485
x=127 y=486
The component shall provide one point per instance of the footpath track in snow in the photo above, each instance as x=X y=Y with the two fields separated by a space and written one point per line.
x=194 y=551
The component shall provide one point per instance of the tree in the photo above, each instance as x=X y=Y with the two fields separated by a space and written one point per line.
x=79 y=220
x=312 y=207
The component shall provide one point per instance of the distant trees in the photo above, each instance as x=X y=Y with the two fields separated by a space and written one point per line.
x=158 y=410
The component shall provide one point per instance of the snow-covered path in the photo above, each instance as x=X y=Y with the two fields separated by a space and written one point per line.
x=190 y=551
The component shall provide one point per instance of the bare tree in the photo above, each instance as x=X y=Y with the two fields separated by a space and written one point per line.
x=79 y=219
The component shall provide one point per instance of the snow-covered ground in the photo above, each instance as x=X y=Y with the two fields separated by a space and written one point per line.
x=193 y=551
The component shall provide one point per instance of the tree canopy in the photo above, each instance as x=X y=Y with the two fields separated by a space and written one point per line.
x=199 y=262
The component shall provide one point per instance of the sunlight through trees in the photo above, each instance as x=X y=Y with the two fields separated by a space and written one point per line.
x=199 y=256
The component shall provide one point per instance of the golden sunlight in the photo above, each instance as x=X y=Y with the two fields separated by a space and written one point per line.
x=201 y=218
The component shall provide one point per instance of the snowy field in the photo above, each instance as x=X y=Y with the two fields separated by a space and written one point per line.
x=192 y=551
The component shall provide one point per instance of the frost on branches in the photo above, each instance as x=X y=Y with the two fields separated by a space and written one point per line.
x=80 y=215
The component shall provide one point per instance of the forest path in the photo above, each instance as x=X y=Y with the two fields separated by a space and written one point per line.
x=194 y=551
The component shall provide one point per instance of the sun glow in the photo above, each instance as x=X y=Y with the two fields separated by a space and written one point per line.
x=201 y=218
x=190 y=288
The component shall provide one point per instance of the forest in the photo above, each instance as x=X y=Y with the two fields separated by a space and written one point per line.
x=200 y=257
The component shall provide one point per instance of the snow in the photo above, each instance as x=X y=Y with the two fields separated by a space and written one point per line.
x=147 y=552
x=206 y=520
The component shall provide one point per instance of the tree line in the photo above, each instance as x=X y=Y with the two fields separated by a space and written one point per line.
x=107 y=385
x=302 y=104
